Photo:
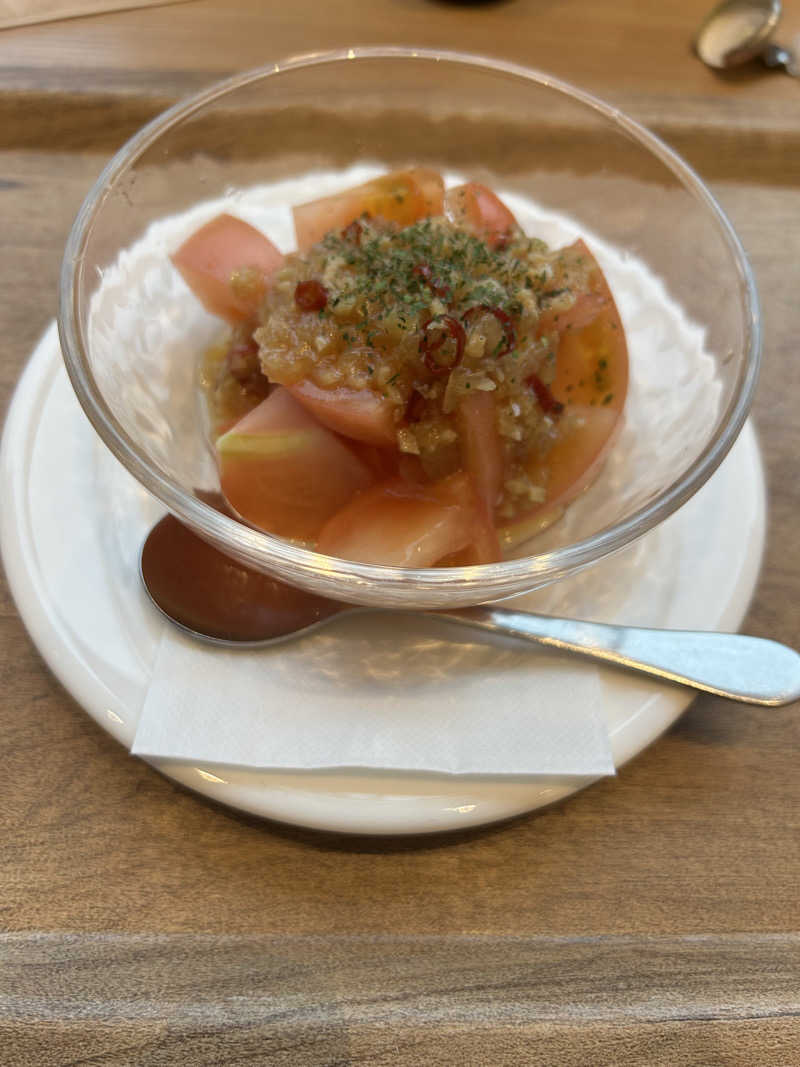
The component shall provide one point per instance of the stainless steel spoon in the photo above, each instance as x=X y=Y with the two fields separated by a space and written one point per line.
x=216 y=599
x=738 y=31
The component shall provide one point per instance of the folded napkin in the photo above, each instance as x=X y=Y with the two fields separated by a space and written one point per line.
x=390 y=692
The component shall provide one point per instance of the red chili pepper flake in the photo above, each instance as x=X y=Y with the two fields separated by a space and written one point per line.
x=505 y=320
x=311 y=295
x=415 y=407
x=435 y=333
x=547 y=402
x=354 y=230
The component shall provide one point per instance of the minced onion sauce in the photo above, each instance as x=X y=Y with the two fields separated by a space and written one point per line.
x=422 y=316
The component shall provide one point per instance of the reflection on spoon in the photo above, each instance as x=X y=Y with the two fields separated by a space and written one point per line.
x=215 y=598
x=738 y=31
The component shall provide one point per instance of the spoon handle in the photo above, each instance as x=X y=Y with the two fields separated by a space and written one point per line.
x=748 y=669
x=775 y=55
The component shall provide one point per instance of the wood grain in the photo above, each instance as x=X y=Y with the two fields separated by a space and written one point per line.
x=372 y=999
x=636 y=55
x=620 y=45
x=653 y=919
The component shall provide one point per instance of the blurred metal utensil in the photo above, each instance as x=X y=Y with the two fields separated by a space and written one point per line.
x=738 y=31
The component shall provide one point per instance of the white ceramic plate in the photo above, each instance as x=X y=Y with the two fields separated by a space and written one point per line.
x=71 y=527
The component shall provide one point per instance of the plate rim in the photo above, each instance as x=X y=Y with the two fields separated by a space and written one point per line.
x=370 y=812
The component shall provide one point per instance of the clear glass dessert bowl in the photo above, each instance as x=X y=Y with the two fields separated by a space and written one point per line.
x=569 y=166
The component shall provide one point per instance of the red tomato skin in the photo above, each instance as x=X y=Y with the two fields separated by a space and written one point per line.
x=284 y=472
x=209 y=258
x=402 y=197
x=476 y=208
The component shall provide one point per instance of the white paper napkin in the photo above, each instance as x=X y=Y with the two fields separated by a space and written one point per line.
x=389 y=692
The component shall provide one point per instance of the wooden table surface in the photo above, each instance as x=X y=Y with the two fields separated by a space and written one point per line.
x=652 y=919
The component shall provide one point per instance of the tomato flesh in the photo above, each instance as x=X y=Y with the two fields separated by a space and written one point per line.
x=228 y=265
x=283 y=471
x=356 y=413
x=591 y=382
x=400 y=525
x=484 y=545
x=476 y=208
x=481 y=451
x=402 y=197
x=592 y=360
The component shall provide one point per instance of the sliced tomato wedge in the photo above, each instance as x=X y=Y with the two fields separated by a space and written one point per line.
x=402 y=197
x=357 y=413
x=383 y=463
x=591 y=382
x=572 y=464
x=481 y=451
x=400 y=525
x=284 y=472
x=573 y=264
x=482 y=456
x=484 y=545
x=476 y=208
x=592 y=358
x=228 y=265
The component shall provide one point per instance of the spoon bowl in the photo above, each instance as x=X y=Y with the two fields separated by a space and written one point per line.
x=211 y=596
x=738 y=31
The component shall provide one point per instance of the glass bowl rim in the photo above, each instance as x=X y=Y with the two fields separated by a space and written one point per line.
x=275 y=554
